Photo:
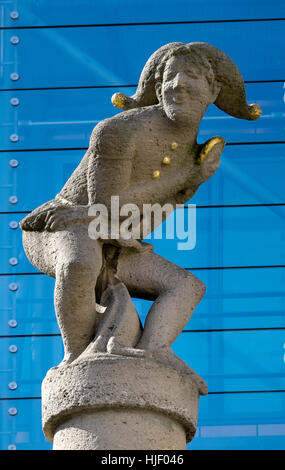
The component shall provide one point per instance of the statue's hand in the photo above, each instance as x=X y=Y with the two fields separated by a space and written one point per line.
x=35 y=221
x=209 y=157
x=50 y=217
x=62 y=216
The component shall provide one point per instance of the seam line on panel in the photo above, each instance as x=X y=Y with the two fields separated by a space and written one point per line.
x=187 y=268
x=113 y=86
x=144 y=23
x=220 y=330
x=216 y=206
x=209 y=393
x=86 y=148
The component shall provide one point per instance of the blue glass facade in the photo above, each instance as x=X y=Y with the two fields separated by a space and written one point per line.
x=59 y=66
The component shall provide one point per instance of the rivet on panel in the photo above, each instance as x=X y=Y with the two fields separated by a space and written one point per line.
x=12 y=411
x=13 y=163
x=13 y=199
x=14 y=137
x=14 y=76
x=14 y=40
x=13 y=224
x=13 y=261
x=13 y=348
x=12 y=386
x=13 y=323
x=14 y=15
x=12 y=447
x=14 y=101
x=13 y=286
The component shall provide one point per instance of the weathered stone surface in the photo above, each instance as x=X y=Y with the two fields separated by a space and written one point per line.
x=108 y=396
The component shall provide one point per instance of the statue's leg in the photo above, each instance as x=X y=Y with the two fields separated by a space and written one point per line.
x=75 y=261
x=176 y=292
x=78 y=265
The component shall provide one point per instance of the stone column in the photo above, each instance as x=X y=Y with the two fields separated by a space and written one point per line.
x=113 y=402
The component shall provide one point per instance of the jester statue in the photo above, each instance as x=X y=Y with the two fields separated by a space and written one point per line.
x=146 y=154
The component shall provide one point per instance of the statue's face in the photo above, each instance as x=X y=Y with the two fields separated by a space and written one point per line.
x=186 y=90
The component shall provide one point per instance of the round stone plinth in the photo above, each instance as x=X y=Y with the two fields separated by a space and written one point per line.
x=120 y=429
x=113 y=402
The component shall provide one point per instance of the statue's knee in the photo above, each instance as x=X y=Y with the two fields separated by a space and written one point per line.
x=192 y=286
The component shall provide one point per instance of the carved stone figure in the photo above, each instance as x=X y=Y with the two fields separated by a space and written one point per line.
x=146 y=154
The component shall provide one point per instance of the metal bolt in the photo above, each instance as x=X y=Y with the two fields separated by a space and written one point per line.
x=14 y=15
x=13 y=163
x=12 y=447
x=13 y=323
x=14 y=76
x=12 y=411
x=14 y=40
x=13 y=224
x=14 y=101
x=13 y=261
x=12 y=386
x=13 y=199
x=14 y=137
x=13 y=286
x=13 y=348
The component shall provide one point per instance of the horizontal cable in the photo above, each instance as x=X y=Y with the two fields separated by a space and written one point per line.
x=214 y=330
x=237 y=267
x=222 y=330
x=84 y=87
x=209 y=393
x=188 y=269
x=143 y=23
x=60 y=149
x=226 y=206
x=216 y=206
x=44 y=149
x=246 y=391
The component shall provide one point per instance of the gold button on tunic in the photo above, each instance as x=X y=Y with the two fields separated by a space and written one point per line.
x=156 y=174
x=166 y=161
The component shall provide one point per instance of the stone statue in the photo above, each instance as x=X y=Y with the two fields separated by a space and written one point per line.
x=146 y=154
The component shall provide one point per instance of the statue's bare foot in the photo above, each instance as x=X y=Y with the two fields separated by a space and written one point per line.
x=114 y=347
x=167 y=356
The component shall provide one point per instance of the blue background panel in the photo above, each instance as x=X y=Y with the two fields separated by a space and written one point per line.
x=231 y=421
x=31 y=305
x=235 y=360
x=235 y=298
x=228 y=361
x=55 y=12
x=248 y=174
x=27 y=366
x=65 y=118
x=225 y=236
x=253 y=421
x=115 y=56
x=22 y=430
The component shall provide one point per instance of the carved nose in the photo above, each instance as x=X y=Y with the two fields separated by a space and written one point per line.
x=178 y=81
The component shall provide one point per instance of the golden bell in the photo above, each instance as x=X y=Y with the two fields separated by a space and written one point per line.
x=166 y=161
x=119 y=100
